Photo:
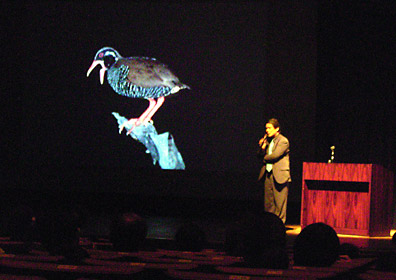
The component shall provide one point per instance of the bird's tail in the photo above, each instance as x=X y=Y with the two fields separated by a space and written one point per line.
x=179 y=86
x=183 y=86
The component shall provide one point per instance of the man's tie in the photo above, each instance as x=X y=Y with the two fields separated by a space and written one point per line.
x=268 y=166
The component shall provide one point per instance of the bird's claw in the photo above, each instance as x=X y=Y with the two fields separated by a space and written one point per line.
x=129 y=122
x=134 y=123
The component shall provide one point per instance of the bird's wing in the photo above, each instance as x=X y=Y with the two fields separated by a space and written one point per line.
x=146 y=72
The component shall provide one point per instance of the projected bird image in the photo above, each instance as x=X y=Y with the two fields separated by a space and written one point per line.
x=146 y=78
x=137 y=77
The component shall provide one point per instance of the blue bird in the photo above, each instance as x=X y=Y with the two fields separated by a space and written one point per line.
x=137 y=77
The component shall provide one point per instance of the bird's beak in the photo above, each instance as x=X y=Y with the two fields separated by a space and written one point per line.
x=101 y=72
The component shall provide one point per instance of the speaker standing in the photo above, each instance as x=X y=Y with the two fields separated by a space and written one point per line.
x=275 y=173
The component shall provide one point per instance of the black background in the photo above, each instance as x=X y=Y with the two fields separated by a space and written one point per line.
x=325 y=69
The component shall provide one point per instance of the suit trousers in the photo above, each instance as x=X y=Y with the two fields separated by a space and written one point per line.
x=275 y=196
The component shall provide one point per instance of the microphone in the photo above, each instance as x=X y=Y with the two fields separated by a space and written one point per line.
x=331 y=160
x=262 y=142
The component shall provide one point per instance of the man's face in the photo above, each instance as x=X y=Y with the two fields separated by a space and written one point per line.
x=271 y=130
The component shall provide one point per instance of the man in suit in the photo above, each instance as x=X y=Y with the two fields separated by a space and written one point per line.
x=274 y=152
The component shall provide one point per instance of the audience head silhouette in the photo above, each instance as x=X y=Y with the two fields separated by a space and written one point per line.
x=190 y=237
x=316 y=245
x=128 y=231
x=352 y=251
x=260 y=239
x=22 y=224
x=59 y=232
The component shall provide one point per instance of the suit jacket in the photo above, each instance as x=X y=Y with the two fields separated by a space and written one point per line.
x=279 y=158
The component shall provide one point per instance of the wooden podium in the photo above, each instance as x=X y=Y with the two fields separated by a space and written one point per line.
x=351 y=198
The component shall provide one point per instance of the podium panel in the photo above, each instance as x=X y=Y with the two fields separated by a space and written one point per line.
x=352 y=198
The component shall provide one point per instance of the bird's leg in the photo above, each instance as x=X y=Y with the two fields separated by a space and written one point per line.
x=146 y=113
x=137 y=121
x=160 y=101
x=146 y=116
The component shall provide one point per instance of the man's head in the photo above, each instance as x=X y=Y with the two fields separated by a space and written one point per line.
x=272 y=127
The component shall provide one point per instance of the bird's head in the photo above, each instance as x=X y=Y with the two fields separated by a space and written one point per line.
x=105 y=57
